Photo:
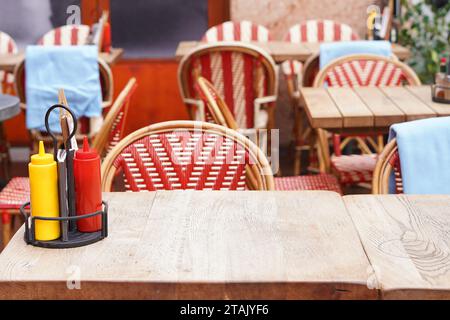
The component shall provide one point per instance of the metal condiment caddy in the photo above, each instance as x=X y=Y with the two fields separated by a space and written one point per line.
x=70 y=235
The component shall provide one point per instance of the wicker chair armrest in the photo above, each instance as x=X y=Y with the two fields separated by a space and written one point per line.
x=200 y=107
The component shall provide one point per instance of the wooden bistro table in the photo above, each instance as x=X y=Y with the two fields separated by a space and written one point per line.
x=202 y=245
x=367 y=110
x=282 y=50
x=9 y=61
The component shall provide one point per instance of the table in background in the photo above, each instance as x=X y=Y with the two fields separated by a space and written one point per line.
x=203 y=245
x=407 y=240
x=282 y=50
x=365 y=109
x=9 y=108
x=9 y=61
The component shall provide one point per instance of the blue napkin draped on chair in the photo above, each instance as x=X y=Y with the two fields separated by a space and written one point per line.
x=424 y=150
x=72 y=68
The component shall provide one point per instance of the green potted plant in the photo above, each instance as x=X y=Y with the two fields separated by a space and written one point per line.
x=425 y=30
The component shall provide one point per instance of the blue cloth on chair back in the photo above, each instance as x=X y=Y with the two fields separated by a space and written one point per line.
x=333 y=50
x=424 y=150
x=72 y=68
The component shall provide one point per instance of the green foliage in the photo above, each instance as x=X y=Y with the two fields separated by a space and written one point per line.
x=427 y=35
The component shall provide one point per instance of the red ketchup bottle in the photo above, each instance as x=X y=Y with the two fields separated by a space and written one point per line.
x=88 y=192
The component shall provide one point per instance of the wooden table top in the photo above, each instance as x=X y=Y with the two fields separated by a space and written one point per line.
x=282 y=50
x=187 y=244
x=247 y=245
x=368 y=107
x=407 y=240
x=9 y=61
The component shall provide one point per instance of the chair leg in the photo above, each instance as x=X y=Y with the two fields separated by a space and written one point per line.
x=7 y=227
x=298 y=141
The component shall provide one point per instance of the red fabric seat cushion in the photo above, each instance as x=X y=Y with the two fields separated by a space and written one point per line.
x=15 y=193
x=355 y=168
x=310 y=182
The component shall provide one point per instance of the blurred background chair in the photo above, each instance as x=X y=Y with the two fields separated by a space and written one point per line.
x=69 y=35
x=7 y=45
x=186 y=155
x=221 y=115
x=245 y=31
x=245 y=76
x=358 y=71
x=112 y=130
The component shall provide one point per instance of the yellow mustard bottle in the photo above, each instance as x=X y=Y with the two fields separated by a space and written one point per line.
x=44 y=194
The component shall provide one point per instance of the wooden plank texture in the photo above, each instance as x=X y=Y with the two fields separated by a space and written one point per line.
x=320 y=108
x=354 y=112
x=384 y=110
x=424 y=94
x=207 y=245
x=407 y=241
x=412 y=106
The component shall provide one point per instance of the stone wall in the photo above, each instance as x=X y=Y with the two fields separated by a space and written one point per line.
x=279 y=15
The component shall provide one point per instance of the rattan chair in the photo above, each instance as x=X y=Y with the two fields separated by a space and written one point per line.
x=112 y=130
x=7 y=46
x=388 y=162
x=106 y=82
x=182 y=155
x=245 y=75
x=221 y=115
x=69 y=35
x=359 y=71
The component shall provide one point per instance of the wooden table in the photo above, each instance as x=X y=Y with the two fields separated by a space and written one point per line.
x=247 y=245
x=9 y=61
x=407 y=240
x=282 y=51
x=205 y=245
x=368 y=108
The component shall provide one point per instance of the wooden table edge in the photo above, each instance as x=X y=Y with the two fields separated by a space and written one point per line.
x=160 y=290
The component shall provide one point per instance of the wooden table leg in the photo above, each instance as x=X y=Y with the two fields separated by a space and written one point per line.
x=298 y=141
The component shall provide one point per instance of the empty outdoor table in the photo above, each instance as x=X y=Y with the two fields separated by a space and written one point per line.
x=407 y=241
x=202 y=245
x=9 y=107
x=282 y=50
x=368 y=109
x=9 y=61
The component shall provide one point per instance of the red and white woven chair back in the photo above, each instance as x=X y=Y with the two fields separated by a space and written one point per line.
x=70 y=35
x=241 y=73
x=199 y=156
x=7 y=45
x=363 y=71
x=320 y=31
x=245 y=31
